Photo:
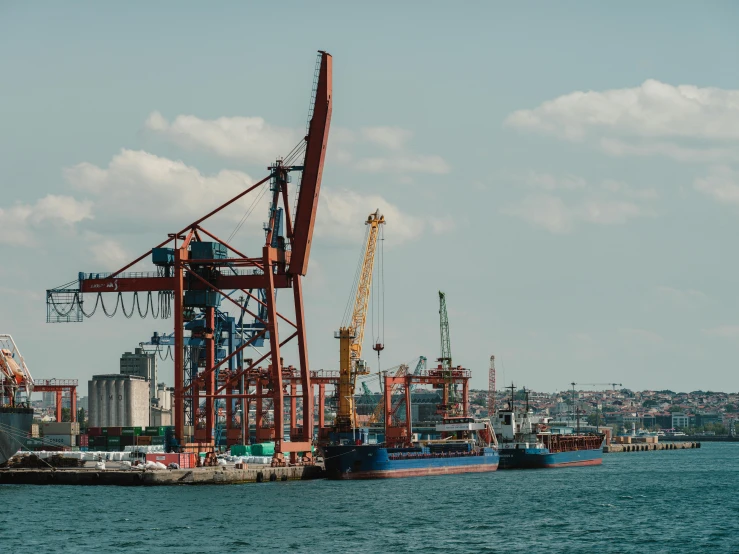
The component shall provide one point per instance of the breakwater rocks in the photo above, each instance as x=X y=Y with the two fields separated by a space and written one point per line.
x=612 y=448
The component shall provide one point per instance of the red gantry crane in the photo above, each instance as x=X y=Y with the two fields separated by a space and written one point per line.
x=196 y=270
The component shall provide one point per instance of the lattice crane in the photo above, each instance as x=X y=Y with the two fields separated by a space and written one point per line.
x=351 y=336
x=445 y=361
x=196 y=271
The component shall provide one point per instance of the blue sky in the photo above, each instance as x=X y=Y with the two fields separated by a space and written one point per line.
x=567 y=173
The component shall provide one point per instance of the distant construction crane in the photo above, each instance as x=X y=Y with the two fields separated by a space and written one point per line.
x=491 y=388
x=397 y=391
x=351 y=335
x=400 y=371
x=445 y=360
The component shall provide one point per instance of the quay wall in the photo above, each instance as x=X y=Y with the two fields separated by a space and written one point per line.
x=641 y=447
x=195 y=476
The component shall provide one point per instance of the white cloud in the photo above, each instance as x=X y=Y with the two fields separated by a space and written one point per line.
x=543 y=210
x=619 y=148
x=340 y=214
x=20 y=224
x=141 y=189
x=393 y=138
x=442 y=225
x=722 y=184
x=724 y=331
x=247 y=138
x=403 y=163
x=556 y=216
x=680 y=295
x=109 y=254
x=253 y=139
x=642 y=334
x=620 y=187
x=653 y=109
x=546 y=181
x=612 y=203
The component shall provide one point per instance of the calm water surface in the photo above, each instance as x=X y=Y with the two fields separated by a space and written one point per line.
x=672 y=502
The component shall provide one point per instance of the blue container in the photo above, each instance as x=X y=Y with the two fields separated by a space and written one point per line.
x=207 y=251
x=202 y=299
x=162 y=256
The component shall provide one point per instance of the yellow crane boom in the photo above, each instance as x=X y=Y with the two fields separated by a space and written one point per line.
x=352 y=336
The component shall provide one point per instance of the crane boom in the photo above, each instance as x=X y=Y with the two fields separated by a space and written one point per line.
x=352 y=336
x=446 y=346
x=310 y=182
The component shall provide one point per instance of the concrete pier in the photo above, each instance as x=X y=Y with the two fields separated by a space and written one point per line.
x=612 y=448
x=197 y=476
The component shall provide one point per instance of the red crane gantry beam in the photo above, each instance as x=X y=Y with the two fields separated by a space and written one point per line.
x=439 y=377
x=60 y=386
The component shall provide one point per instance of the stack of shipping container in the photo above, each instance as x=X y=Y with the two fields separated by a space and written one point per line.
x=67 y=436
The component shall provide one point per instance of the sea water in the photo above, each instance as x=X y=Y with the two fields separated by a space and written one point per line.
x=666 y=501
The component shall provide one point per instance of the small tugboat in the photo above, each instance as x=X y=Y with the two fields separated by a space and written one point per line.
x=526 y=441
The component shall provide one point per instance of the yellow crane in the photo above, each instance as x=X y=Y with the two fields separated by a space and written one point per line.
x=351 y=336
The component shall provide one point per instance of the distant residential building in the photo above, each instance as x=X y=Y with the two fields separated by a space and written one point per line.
x=48 y=399
x=704 y=419
x=680 y=420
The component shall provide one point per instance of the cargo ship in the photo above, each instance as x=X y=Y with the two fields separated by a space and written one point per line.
x=467 y=446
x=526 y=441
x=16 y=386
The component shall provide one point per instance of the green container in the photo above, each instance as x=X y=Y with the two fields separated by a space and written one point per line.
x=154 y=431
x=157 y=440
x=263 y=449
x=240 y=450
x=114 y=441
x=131 y=431
x=98 y=442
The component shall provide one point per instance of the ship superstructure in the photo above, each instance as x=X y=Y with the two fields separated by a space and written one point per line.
x=16 y=386
x=526 y=441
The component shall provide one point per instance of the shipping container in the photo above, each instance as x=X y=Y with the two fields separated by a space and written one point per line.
x=157 y=440
x=184 y=460
x=154 y=431
x=61 y=428
x=130 y=431
x=240 y=450
x=128 y=440
x=112 y=431
x=94 y=431
x=263 y=449
x=83 y=440
x=60 y=440
x=143 y=440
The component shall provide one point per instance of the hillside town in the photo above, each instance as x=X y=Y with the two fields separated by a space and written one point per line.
x=707 y=412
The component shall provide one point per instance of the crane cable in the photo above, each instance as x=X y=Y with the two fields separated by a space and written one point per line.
x=248 y=212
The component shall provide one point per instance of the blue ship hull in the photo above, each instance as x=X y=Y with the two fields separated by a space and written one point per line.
x=535 y=458
x=15 y=426
x=378 y=462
